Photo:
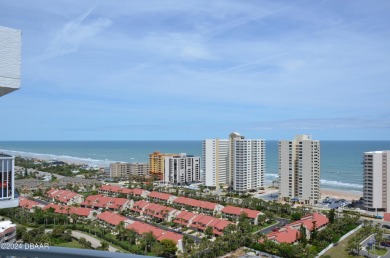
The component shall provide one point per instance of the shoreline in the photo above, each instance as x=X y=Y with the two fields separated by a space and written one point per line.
x=340 y=194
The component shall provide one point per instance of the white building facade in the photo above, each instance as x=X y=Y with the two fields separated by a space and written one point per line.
x=376 y=179
x=299 y=170
x=10 y=63
x=236 y=162
x=215 y=158
x=182 y=169
x=249 y=164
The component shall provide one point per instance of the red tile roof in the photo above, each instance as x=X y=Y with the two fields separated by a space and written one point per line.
x=111 y=218
x=117 y=203
x=83 y=211
x=63 y=196
x=184 y=217
x=237 y=211
x=139 y=205
x=160 y=196
x=187 y=201
x=111 y=188
x=170 y=235
x=27 y=204
x=284 y=235
x=307 y=221
x=208 y=205
x=90 y=200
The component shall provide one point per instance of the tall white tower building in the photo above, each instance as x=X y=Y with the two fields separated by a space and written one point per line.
x=248 y=164
x=376 y=189
x=10 y=62
x=215 y=162
x=236 y=162
x=182 y=169
x=299 y=170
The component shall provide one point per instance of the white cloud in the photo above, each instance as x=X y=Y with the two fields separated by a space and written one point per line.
x=75 y=32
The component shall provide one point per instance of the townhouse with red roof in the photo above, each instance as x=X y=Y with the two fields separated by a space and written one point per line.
x=202 y=221
x=160 y=212
x=160 y=197
x=290 y=232
x=113 y=219
x=232 y=212
x=158 y=233
x=201 y=206
x=104 y=202
x=110 y=190
x=185 y=218
x=65 y=196
x=69 y=210
x=115 y=191
x=29 y=205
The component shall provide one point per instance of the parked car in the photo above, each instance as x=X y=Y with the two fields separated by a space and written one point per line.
x=386 y=226
x=387 y=243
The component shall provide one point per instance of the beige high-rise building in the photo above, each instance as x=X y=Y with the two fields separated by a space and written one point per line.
x=233 y=137
x=156 y=163
x=376 y=188
x=124 y=169
x=299 y=170
x=215 y=162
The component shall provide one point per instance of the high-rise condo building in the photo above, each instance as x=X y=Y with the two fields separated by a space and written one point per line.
x=10 y=62
x=215 y=162
x=156 y=163
x=299 y=170
x=376 y=189
x=249 y=164
x=182 y=169
x=124 y=169
x=236 y=162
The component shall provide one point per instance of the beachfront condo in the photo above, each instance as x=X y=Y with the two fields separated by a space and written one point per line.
x=236 y=162
x=215 y=153
x=248 y=164
x=10 y=61
x=376 y=189
x=126 y=169
x=182 y=169
x=156 y=163
x=299 y=170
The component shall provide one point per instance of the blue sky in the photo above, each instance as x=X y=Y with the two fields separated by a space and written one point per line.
x=175 y=70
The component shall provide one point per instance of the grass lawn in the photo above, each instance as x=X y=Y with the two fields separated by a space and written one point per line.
x=379 y=251
x=73 y=244
x=100 y=239
x=340 y=250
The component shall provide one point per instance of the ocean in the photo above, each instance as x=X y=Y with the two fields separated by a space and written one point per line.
x=341 y=166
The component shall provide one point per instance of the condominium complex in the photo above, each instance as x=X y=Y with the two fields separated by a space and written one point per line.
x=123 y=169
x=299 y=170
x=249 y=164
x=376 y=190
x=10 y=62
x=156 y=163
x=236 y=162
x=215 y=162
x=182 y=169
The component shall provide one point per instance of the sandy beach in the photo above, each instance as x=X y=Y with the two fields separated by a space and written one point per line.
x=340 y=194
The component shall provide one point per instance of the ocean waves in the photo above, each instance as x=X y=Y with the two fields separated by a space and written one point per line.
x=64 y=158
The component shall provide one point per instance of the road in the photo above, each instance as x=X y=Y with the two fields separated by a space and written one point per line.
x=371 y=239
x=281 y=223
x=95 y=242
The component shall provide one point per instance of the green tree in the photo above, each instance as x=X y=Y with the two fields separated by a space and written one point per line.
x=302 y=236
x=208 y=232
x=332 y=215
